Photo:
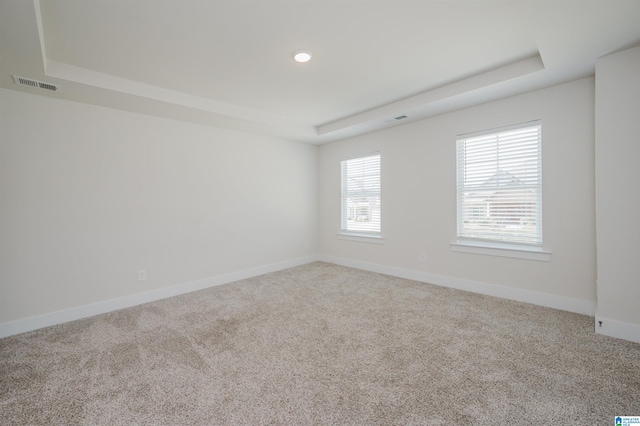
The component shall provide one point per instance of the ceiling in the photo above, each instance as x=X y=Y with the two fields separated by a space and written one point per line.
x=228 y=63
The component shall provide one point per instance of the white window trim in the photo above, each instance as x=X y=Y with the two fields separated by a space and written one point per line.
x=491 y=248
x=499 y=248
x=361 y=237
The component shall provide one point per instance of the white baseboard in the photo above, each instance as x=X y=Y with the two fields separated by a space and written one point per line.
x=85 y=311
x=618 y=329
x=579 y=306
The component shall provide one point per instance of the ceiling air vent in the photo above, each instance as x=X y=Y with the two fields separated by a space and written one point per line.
x=394 y=119
x=35 y=83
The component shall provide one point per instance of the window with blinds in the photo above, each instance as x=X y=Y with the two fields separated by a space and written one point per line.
x=361 y=195
x=500 y=185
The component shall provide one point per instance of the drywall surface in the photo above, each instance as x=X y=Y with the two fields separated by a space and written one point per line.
x=418 y=162
x=89 y=196
x=617 y=194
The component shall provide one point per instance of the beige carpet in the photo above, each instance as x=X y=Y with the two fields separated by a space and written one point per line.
x=321 y=344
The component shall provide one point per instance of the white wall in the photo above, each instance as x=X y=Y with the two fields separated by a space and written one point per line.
x=90 y=195
x=617 y=193
x=419 y=200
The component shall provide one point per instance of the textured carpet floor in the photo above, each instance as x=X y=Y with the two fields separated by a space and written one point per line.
x=321 y=344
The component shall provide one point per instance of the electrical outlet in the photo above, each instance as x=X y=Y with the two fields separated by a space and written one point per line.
x=142 y=275
x=422 y=257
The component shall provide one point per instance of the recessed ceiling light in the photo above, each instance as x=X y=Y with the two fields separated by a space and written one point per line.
x=301 y=56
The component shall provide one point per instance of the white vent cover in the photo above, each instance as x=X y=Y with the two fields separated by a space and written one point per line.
x=35 y=83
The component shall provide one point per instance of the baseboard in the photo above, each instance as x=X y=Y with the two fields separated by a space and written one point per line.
x=613 y=328
x=85 y=311
x=579 y=306
x=617 y=329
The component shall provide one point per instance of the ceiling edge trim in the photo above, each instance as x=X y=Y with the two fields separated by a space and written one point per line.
x=479 y=81
x=43 y=52
x=109 y=82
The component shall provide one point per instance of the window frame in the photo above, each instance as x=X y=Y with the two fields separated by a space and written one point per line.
x=465 y=241
x=354 y=234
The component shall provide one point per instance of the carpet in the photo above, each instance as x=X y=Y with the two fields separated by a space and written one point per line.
x=321 y=344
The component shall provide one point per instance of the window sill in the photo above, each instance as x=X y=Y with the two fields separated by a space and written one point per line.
x=363 y=238
x=504 y=250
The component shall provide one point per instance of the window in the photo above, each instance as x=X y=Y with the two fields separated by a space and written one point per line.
x=361 y=195
x=500 y=186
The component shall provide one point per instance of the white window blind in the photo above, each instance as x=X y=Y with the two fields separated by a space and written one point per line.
x=500 y=185
x=361 y=195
